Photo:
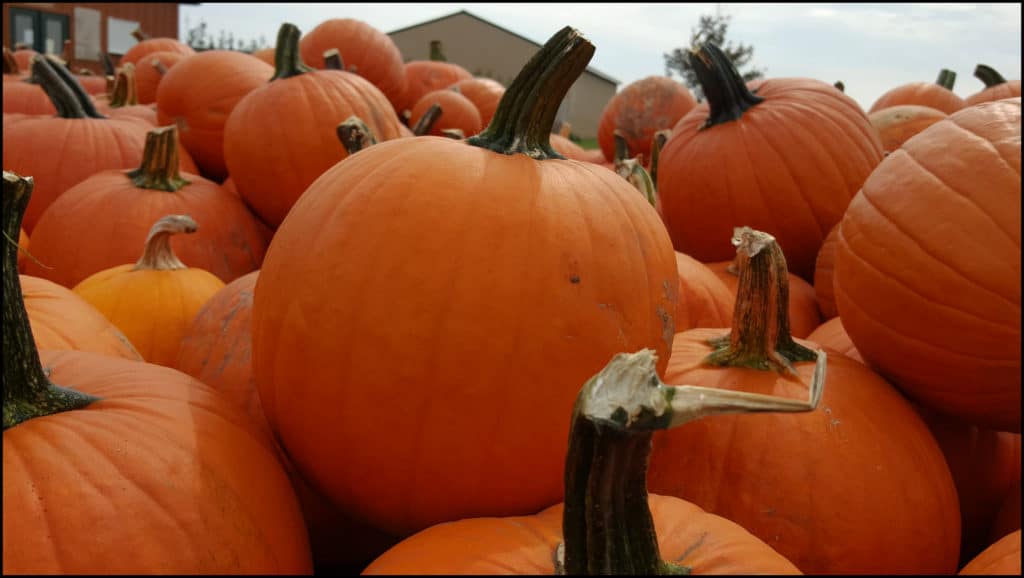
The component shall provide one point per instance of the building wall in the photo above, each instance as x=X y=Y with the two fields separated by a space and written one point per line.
x=486 y=51
x=158 y=19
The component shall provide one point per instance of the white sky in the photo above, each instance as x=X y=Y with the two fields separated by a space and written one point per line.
x=870 y=47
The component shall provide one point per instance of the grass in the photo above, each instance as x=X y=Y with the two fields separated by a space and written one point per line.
x=589 y=143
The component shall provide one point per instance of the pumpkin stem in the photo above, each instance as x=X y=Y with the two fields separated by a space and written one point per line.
x=159 y=167
x=621 y=146
x=436 y=53
x=287 y=61
x=124 y=93
x=760 y=336
x=159 y=66
x=657 y=143
x=83 y=97
x=140 y=34
x=56 y=90
x=10 y=63
x=840 y=86
x=28 y=393
x=607 y=524
x=634 y=173
x=453 y=133
x=526 y=113
x=332 y=60
x=158 y=254
x=426 y=122
x=727 y=95
x=982 y=72
x=946 y=79
x=355 y=135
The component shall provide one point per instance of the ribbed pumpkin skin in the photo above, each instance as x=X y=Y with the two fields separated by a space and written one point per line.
x=60 y=153
x=372 y=52
x=147 y=78
x=1008 y=89
x=228 y=244
x=201 y=108
x=1001 y=558
x=483 y=92
x=928 y=94
x=425 y=268
x=282 y=136
x=927 y=276
x=896 y=124
x=526 y=545
x=423 y=76
x=151 y=45
x=789 y=167
x=641 y=109
x=457 y=111
x=824 y=273
x=152 y=308
x=26 y=98
x=857 y=486
x=803 y=305
x=832 y=334
x=166 y=478
x=704 y=299
x=62 y=320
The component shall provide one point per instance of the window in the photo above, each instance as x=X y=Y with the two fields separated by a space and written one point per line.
x=119 y=35
x=41 y=31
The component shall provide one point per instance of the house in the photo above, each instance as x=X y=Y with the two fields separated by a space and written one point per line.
x=486 y=49
x=89 y=28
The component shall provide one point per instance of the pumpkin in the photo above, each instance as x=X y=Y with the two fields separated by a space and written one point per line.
x=365 y=50
x=832 y=335
x=1001 y=558
x=24 y=56
x=149 y=71
x=149 y=46
x=62 y=320
x=167 y=476
x=803 y=303
x=457 y=112
x=378 y=280
x=21 y=93
x=639 y=110
x=927 y=272
x=896 y=124
x=785 y=161
x=201 y=108
x=608 y=523
x=423 y=76
x=266 y=55
x=123 y=101
x=996 y=87
x=938 y=95
x=484 y=93
x=1008 y=516
x=154 y=300
x=124 y=204
x=59 y=152
x=566 y=147
x=297 y=110
x=704 y=299
x=864 y=462
x=824 y=271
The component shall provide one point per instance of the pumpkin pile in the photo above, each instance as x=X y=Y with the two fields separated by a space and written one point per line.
x=344 y=312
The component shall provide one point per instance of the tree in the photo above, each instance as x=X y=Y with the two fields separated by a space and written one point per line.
x=710 y=28
x=199 y=40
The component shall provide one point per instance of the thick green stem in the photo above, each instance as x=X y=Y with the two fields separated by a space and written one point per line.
x=760 y=336
x=606 y=523
x=946 y=79
x=988 y=75
x=159 y=168
x=28 y=393
x=524 y=118
x=157 y=255
x=76 y=87
x=840 y=86
x=287 y=61
x=56 y=90
x=727 y=95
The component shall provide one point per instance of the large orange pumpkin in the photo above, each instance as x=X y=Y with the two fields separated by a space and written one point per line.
x=938 y=95
x=824 y=272
x=862 y=475
x=154 y=300
x=114 y=466
x=365 y=51
x=832 y=335
x=483 y=92
x=149 y=46
x=457 y=112
x=1001 y=558
x=704 y=299
x=927 y=272
x=423 y=76
x=124 y=204
x=59 y=152
x=297 y=112
x=996 y=87
x=896 y=124
x=428 y=268
x=608 y=524
x=785 y=161
x=149 y=71
x=639 y=110
x=187 y=97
